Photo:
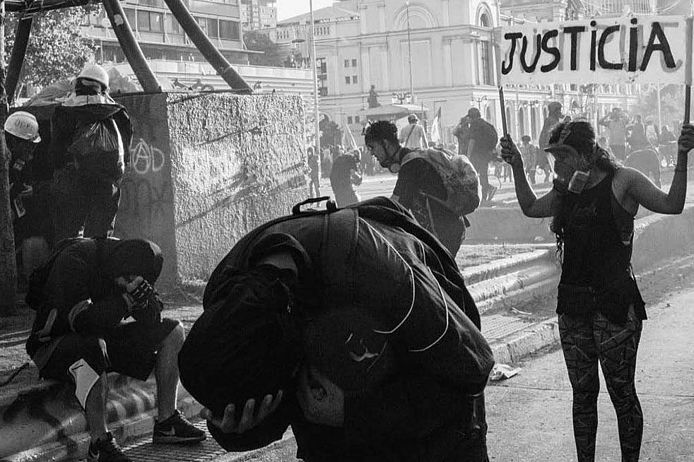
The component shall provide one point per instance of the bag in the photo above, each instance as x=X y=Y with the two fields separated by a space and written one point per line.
x=458 y=177
x=97 y=148
x=39 y=277
x=485 y=136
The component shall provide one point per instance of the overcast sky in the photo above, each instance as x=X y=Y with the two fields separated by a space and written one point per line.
x=288 y=8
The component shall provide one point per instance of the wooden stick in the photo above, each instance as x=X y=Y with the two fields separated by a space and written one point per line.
x=503 y=110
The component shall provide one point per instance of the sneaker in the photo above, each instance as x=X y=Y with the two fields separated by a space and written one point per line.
x=491 y=192
x=105 y=449
x=176 y=430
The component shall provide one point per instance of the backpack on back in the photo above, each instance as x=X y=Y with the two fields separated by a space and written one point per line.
x=97 y=148
x=39 y=277
x=485 y=136
x=458 y=177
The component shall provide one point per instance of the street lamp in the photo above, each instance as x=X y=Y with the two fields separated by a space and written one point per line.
x=402 y=96
x=409 y=48
x=478 y=101
x=313 y=62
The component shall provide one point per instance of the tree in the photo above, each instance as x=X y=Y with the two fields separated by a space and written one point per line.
x=57 y=50
x=258 y=41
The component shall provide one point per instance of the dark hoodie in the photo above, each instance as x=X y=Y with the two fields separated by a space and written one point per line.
x=85 y=109
x=83 y=271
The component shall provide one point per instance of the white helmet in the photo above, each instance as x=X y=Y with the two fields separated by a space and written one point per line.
x=23 y=125
x=94 y=72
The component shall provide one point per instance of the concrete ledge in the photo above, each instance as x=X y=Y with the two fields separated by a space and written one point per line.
x=45 y=422
x=505 y=265
x=535 y=338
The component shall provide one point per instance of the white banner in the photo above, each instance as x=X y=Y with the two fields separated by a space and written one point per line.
x=643 y=49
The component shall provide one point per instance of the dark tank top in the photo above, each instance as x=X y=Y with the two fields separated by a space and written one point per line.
x=597 y=247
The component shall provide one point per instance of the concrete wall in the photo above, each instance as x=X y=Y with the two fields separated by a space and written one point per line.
x=206 y=169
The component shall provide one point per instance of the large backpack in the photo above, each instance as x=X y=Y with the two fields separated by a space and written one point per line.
x=97 y=148
x=458 y=177
x=39 y=277
x=485 y=136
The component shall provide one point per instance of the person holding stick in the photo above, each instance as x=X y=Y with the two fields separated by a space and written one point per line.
x=600 y=309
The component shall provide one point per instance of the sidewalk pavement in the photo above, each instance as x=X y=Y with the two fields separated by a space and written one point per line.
x=43 y=421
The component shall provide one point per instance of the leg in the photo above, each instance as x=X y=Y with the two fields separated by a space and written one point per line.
x=103 y=207
x=480 y=165
x=95 y=408
x=618 y=346
x=581 y=356
x=166 y=372
x=68 y=206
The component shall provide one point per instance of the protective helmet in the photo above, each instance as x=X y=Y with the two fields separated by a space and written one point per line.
x=412 y=118
x=96 y=73
x=23 y=125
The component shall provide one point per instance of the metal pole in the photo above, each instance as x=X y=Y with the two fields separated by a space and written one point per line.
x=314 y=61
x=192 y=29
x=131 y=49
x=8 y=259
x=409 y=51
x=660 y=118
x=19 y=49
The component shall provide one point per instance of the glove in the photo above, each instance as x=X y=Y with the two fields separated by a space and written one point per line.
x=150 y=313
x=140 y=294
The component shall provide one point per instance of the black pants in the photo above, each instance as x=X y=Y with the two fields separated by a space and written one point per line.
x=587 y=341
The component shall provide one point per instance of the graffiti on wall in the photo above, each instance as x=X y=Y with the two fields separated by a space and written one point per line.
x=145 y=158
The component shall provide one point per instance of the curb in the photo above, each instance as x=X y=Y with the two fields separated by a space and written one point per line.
x=48 y=415
x=532 y=339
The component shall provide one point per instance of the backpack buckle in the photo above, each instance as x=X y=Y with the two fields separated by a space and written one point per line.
x=330 y=205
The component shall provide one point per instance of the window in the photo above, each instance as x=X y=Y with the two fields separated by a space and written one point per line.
x=148 y=21
x=347 y=80
x=323 y=91
x=130 y=16
x=172 y=26
x=349 y=120
x=228 y=30
x=354 y=63
x=212 y=28
x=354 y=79
x=346 y=62
x=203 y=23
x=356 y=119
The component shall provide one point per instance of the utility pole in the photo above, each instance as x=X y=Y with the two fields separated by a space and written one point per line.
x=314 y=62
x=8 y=263
x=409 y=50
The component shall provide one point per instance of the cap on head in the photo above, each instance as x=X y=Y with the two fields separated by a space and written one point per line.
x=96 y=73
x=23 y=125
x=412 y=118
x=474 y=113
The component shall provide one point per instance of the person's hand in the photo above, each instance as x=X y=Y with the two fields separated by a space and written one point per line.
x=510 y=152
x=248 y=418
x=685 y=143
x=321 y=401
x=140 y=291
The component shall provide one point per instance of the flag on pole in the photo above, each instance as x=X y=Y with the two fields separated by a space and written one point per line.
x=348 y=140
x=436 y=128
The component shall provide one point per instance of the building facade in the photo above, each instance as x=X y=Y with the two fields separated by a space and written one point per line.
x=162 y=38
x=258 y=14
x=441 y=52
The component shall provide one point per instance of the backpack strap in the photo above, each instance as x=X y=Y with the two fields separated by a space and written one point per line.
x=409 y=134
x=340 y=231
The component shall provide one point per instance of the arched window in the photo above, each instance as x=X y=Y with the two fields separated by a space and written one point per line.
x=484 y=20
x=486 y=73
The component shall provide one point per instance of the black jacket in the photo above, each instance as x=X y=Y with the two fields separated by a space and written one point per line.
x=398 y=270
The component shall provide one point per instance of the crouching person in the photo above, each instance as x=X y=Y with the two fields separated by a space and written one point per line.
x=89 y=287
x=354 y=327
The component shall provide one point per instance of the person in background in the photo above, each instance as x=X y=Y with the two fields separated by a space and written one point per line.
x=599 y=305
x=668 y=146
x=616 y=124
x=481 y=150
x=344 y=176
x=420 y=187
x=314 y=173
x=529 y=153
x=90 y=139
x=462 y=133
x=412 y=135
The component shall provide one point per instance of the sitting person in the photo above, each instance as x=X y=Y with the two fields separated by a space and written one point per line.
x=79 y=334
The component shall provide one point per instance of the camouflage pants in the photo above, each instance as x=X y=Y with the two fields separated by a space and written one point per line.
x=585 y=341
